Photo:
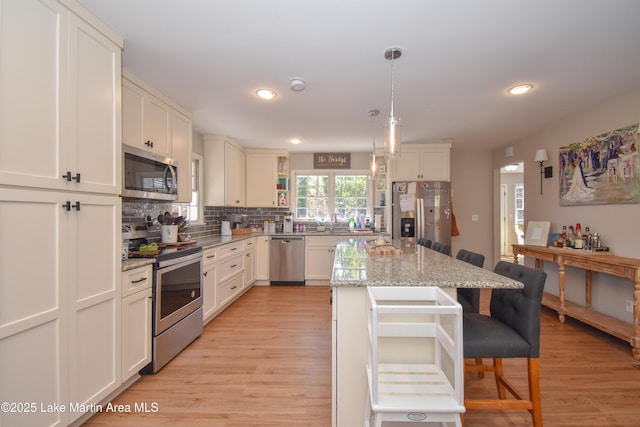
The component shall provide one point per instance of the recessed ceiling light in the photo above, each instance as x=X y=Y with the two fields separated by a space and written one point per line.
x=295 y=141
x=266 y=93
x=520 y=89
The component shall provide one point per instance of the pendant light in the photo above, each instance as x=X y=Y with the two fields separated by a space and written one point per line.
x=373 y=167
x=392 y=126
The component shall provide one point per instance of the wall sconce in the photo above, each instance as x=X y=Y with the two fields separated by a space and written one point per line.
x=541 y=157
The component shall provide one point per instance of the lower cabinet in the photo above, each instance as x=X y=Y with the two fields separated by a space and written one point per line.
x=262 y=257
x=136 y=320
x=209 y=273
x=228 y=271
x=318 y=257
x=59 y=322
x=250 y=263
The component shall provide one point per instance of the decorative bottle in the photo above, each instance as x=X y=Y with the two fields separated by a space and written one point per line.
x=571 y=237
x=577 y=243
x=564 y=236
x=587 y=239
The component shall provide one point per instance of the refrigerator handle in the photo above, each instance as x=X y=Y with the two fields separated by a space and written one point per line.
x=419 y=219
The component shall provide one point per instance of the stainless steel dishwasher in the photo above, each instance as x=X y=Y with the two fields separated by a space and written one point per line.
x=286 y=260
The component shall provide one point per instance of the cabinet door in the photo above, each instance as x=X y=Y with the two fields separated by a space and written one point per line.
x=319 y=262
x=181 y=151
x=209 y=300
x=434 y=164
x=94 y=297
x=31 y=34
x=95 y=145
x=33 y=319
x=262 y=258
x=156 y=125
x=407 y=167
x=261 y=180
x=136 y=332
x=234 y=176
x=132 y=114
x=250 y=263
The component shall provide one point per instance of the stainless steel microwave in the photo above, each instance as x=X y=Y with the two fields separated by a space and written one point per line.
x=148 y=176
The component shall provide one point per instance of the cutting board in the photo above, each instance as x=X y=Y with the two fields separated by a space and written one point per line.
x=176 y=244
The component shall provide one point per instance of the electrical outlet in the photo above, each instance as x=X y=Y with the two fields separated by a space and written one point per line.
x=629 y=306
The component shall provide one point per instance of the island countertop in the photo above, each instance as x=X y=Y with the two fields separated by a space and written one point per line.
x=417 y=266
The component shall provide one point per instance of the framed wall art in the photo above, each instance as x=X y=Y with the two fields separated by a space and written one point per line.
x=537 y=233
x=602 y=169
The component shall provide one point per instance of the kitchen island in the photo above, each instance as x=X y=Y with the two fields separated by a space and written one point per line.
x=354 y=270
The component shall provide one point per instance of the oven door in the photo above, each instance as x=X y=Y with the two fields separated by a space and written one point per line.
x=178 y=290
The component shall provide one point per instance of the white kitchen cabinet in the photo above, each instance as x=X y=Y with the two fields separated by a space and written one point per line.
x=60 y=81
x=63 y=345
x=224 y=172
x=181 y=149
x=146 y=119
x=319 y=253
x=250 y=262
x=262 y=257
x=264 y=177
x=261 y=179
x=428 y=162
x=209 y=284
x=136 y=320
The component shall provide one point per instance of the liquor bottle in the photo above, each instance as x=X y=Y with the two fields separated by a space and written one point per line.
x=564 y=236
x=577 y=243
x=587 y=239
x=571 y=236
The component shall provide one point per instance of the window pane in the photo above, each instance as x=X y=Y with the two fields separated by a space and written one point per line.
x=351 y=195
x=312 y=196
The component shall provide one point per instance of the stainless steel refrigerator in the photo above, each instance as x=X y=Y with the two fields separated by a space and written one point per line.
x=422 y=209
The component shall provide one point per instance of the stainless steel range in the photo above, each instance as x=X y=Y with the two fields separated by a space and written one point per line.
x=177 y=295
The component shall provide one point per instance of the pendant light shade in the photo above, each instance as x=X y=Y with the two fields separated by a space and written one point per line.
x=392 y=124
x=373 y=167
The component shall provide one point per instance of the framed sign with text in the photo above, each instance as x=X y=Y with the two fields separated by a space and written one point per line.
x=332 y=160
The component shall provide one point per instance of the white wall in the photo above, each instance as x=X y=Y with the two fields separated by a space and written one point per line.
x=616 y=222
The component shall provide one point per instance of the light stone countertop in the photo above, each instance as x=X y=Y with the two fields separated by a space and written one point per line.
x=219 y=240
x=418 y=266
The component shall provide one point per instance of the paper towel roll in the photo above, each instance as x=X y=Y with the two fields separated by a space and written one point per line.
x=377 y=222
x=225 y=228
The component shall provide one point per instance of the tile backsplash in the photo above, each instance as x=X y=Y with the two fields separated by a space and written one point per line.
x=140 y=209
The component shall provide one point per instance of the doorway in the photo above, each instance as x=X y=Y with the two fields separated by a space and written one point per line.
x=512 y=226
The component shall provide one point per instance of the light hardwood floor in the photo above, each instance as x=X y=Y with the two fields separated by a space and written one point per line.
x=266 y=361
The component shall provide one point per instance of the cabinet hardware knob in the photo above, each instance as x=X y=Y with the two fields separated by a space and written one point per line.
x=66 y=206
x=233 y=287
x=67 y=176
x=77 y=206
x=205 y=273
x=76 y=178
x=142 y=279
x=234 y=265
x=149 y=144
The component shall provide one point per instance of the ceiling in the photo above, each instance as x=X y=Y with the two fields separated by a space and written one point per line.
x=459 y=58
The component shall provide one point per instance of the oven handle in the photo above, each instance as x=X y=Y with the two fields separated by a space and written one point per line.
x=180 y=260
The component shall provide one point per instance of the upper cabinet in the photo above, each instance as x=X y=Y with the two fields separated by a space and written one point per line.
x=428 y=162
x=60 y=81
x=224 y=172
x=152 y=122
x=181 y=149
x=146 y=120
x=267 y=178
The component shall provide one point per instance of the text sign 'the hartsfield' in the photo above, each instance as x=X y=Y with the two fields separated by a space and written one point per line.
x=332 y=160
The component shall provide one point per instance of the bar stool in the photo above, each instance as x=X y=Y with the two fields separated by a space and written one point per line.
x=415 y=366
x=442 y=248
x=469 y=298
x=512 y=331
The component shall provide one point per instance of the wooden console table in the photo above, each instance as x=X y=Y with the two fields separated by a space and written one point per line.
x=603 y=262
